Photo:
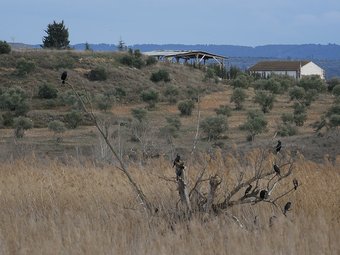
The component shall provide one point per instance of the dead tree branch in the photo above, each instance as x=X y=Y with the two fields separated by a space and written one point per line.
x=121 y=166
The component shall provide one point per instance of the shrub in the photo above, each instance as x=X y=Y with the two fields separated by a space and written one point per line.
x=310 y=96
x=186 y=107
x=265 y=99
x=312 y=82
x=150 y=97
x=57 y=126
x=241 y=81
x=97 y=74
x=133 y=59
x=255 y=124
x=171 y=93
x=170 y=130
x=336 y=90
x=14 y=99
x=5 y=48
x=21 y=124
x=73 y=119
x=139 y=114
x=332 y=83
x=223 y=110
x=24 y=66
x=151 y=61
x=104 y=102
x=268 y=84
x=297 y=93
x=300 y=114
x=287 y=118
x=287 y=129
x=47 y=91
x=161 y=75
x=238 y=97
x=233 y=72
x=214 y=126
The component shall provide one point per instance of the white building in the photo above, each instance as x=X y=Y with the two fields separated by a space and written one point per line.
x=295 y=69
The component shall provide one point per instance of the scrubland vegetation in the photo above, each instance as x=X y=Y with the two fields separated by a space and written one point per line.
x=62 y=190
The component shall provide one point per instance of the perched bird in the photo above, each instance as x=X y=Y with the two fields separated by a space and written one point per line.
x=177 y=159
x=179 y=170
x=295 y=183
x=248 y=189
x=287 y=207
x=278 y=146
x=63 y=77
x=263 y=194
x=276 y=169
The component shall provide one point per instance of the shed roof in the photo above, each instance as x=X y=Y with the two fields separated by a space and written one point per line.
x=278 y=65
x=183 y=54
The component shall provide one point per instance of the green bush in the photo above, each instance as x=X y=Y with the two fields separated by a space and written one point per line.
x=336 y=90
x=139 y=114
x=174 y=122
x=104 y=102
x=300 y=114
x=186 y=107
x=297 y=93
x=150 y=97
x=47 y=91
x=57 y=126
x=238 y=97
x=132 y=60
x=312 y=82
x=332 y=83
x=21 y=124
x=73 y=119
x=214 y=126
x=241 y=81
x=223 y=110
x=5 y=48
x=97 y=74
x=265 y=100
x=171 y=93
x=287 y=129
x=24 y=66
x=15 y=100
x=287 y=118
x=310 y=96
x=170 y=130
x=161 y=75
x=255 y=124
x=151 y=61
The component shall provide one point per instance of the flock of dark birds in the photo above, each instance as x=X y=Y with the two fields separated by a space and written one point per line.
x=180 y=166
x=263 y=193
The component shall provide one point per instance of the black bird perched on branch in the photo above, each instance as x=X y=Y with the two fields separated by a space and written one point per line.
x=63 y=77
x=278 y=146
x=263 y=194
x=287 y=207
x=179 y=170
x=177 y=159
x=248 y=189
x=276 y=169
x=295 y=183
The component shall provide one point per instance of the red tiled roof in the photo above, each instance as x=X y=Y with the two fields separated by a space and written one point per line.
x=278 y=65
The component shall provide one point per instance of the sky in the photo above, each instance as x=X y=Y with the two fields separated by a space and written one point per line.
x=220 y=22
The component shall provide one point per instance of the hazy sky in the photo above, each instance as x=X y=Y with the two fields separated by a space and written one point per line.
x=232 y=22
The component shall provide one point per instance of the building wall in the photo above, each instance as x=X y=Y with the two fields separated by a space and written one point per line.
x=266 y=74
x=312 y=69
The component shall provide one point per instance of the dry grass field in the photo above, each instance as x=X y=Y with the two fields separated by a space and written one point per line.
x=53 y=208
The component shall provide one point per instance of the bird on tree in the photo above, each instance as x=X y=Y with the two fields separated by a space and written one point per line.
x=263 y=194
x=179 y=170
x=277 y=169
x=287 y=207
x=295 y=183
x=63 y=77
x=278 y=146
x=248 y=190
x=177 y=160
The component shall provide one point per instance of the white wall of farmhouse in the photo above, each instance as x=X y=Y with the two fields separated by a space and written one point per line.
x=312 y=69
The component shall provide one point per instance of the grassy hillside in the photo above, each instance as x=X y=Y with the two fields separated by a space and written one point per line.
x=69 y=196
